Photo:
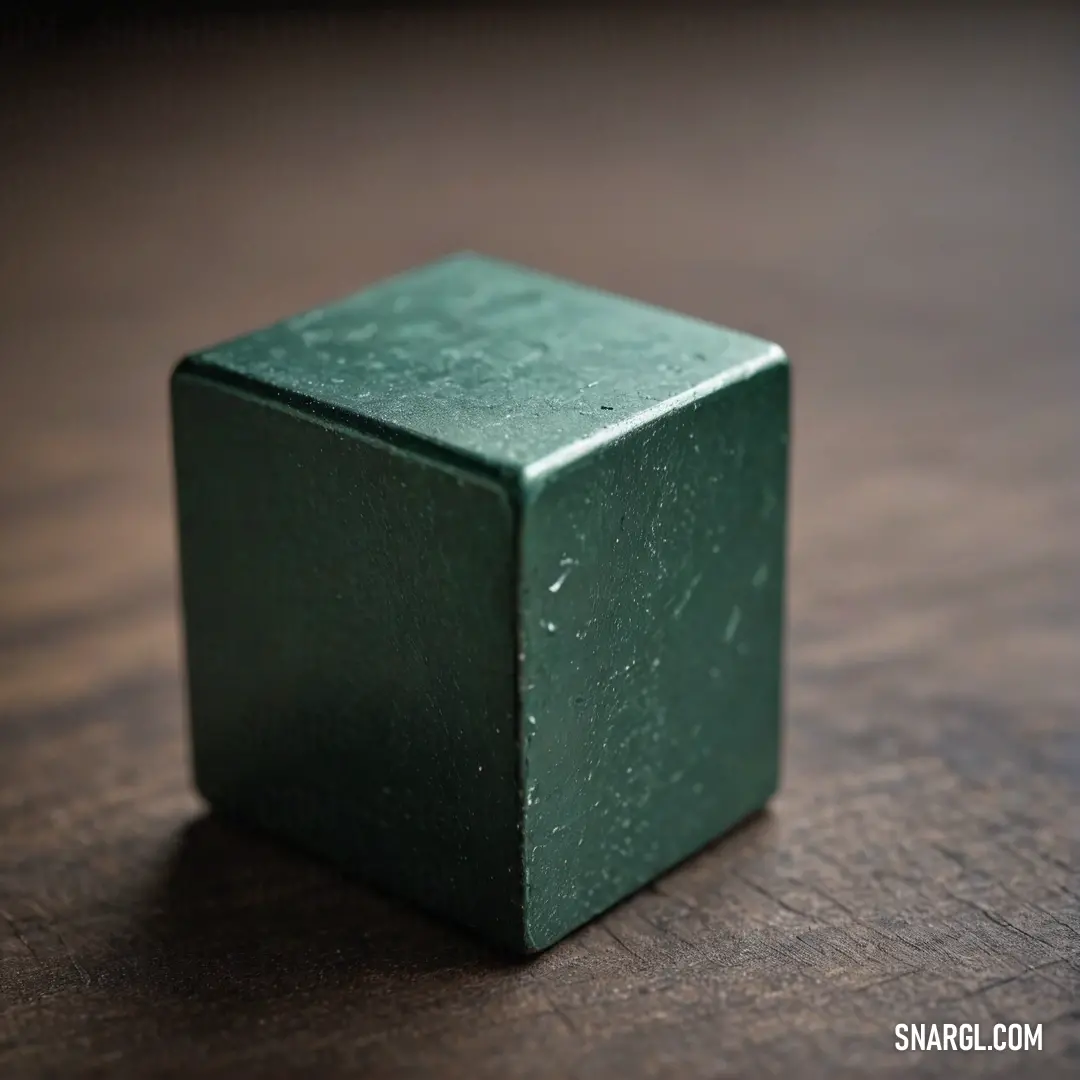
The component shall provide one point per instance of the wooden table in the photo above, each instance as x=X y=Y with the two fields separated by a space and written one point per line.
x=895 y=198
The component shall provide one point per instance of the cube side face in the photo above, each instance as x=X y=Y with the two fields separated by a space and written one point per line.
x=652 y=632
x=350 y=639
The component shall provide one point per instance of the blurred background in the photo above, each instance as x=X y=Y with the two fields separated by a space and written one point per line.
x=891 y=192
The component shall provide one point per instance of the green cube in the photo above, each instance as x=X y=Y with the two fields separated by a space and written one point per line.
x=483 y=583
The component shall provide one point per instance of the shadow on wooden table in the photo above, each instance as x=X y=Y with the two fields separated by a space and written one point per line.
x=243 y=922
x=238 y=916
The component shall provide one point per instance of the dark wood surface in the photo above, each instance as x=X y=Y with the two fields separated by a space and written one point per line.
x=893 y=197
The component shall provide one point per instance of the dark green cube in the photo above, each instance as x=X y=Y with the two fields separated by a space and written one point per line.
x=483 y=581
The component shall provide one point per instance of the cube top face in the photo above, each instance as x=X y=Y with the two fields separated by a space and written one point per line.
x=502 y=367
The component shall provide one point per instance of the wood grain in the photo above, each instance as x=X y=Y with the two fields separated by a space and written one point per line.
x=892 y=196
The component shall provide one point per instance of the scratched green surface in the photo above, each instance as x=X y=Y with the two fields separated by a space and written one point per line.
x=493 y=361
x=483 y=587
x=652 y=599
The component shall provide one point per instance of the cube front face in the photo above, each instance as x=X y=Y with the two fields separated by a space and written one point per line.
x=652 y=614
x=349 y=616
x=483 y=588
